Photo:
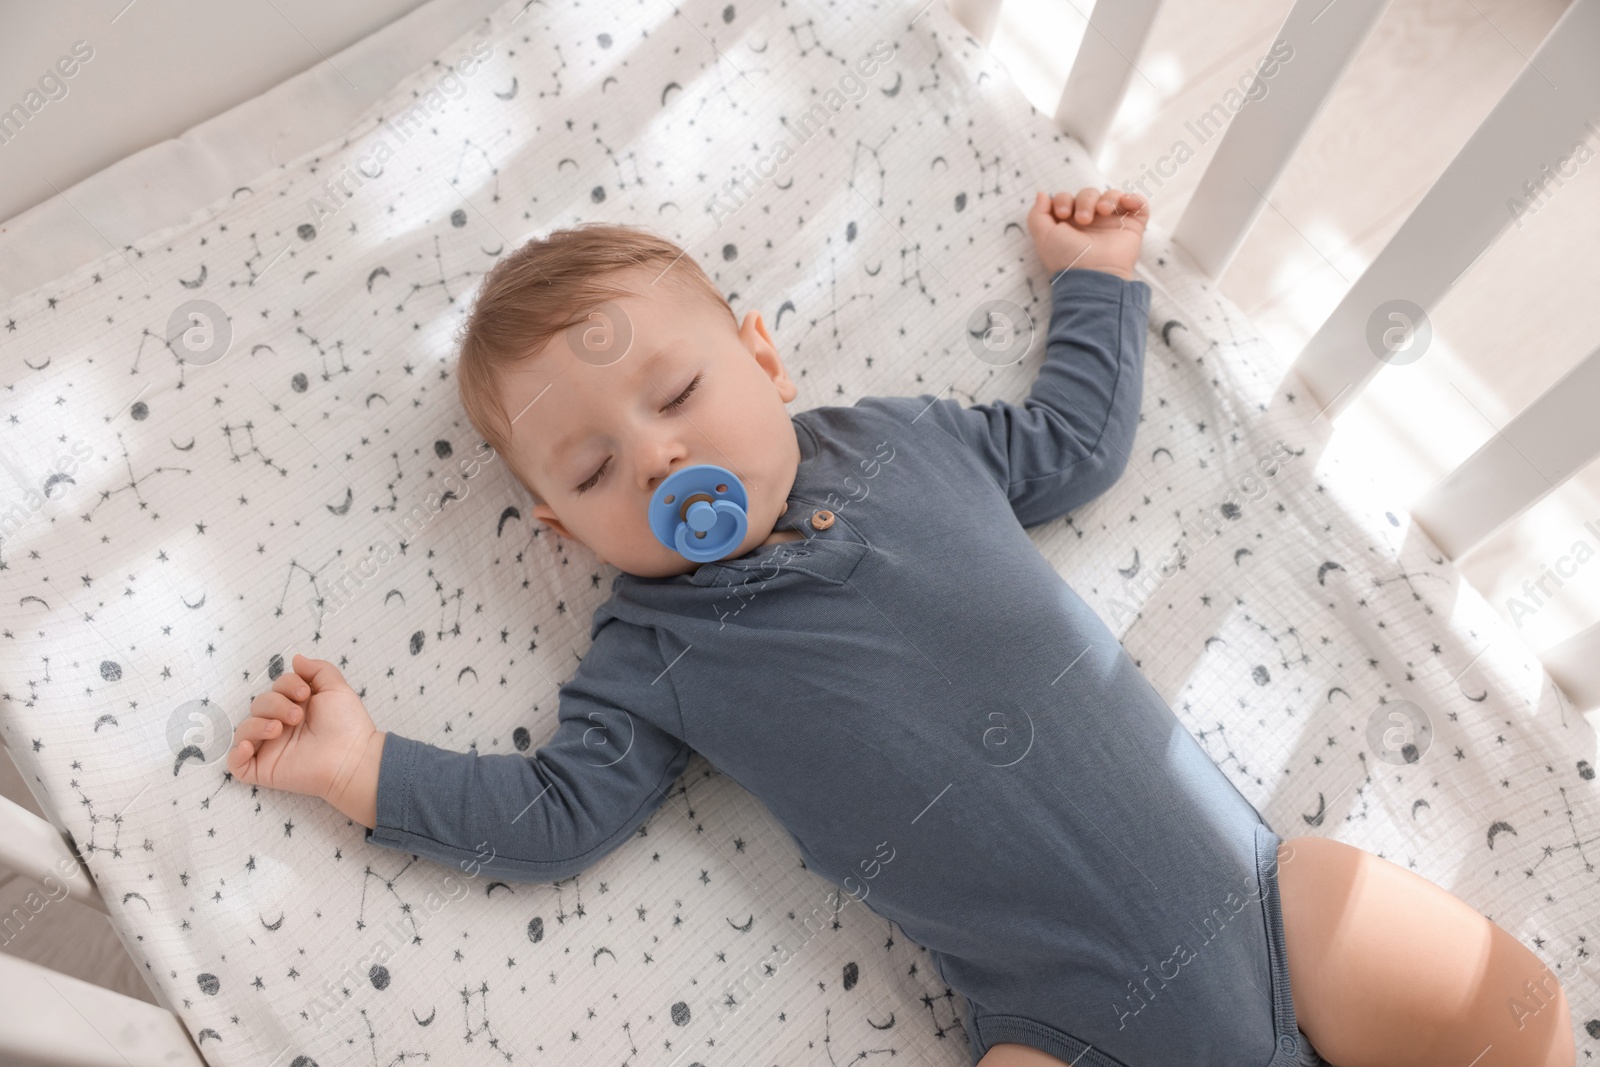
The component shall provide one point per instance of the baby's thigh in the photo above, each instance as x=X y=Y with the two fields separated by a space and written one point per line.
x=1007 y=1054
x=1388 y=968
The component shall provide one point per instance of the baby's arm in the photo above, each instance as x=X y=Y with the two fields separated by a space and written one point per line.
x=1069 y=440
x=538 y=817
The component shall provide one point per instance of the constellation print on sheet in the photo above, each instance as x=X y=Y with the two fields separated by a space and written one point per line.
x=394 y=498
x=562 y=914
x=810 y=28
x=145 y=335
x=249 y=429
x=33 y=683
x=315 y=588
x=327 y=375
x=454 y=628
x=555 y=73
x=1220 y=735
x=461 y=163
x=255 y=258
x=1406 y=576
x=93 y=845
x=933 y=68
x=721 y=87
x=835 y=307
x=1578 y=840
x=388 y=884
x=983 y=171
x=133 y=483
x=872 y=186
x=953 y=1023
x=616 y=161
x=879 y=181
x=443 y=281
x=483 y=1029
x=399 y=1057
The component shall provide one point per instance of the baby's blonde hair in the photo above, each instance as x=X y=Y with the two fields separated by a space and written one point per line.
x=540 y=290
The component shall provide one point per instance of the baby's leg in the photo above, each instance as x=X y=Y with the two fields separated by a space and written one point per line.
x=1008 y=1054
x=1389 y=970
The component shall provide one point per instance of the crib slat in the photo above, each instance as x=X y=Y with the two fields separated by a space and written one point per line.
x=1545 y=444
x=980 y=17
x=1526 y=138
x=35 y=849
x=1574 y=665
x=57 y=1020
x=1103 y=67
x=1319 y=39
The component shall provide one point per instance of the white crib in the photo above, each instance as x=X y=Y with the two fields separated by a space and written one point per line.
x=50 y=1018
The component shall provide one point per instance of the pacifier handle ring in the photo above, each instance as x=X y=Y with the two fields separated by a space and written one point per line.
x=689 y=501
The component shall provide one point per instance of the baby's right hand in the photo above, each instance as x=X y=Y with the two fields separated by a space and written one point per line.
x=307 y=734
x=1094 y=230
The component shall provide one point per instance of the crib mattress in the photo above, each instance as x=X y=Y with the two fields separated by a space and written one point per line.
x=184 y=513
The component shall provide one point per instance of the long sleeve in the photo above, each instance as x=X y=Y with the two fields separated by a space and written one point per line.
x=1070 y=439
x=545 y=816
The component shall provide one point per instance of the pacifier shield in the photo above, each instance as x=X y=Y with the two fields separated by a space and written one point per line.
x=700 y=512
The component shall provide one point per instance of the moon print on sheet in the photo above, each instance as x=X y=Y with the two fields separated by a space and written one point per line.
x=198 y=731
x=1399 y=732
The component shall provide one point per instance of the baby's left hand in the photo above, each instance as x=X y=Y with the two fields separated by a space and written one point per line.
x=1094 y=230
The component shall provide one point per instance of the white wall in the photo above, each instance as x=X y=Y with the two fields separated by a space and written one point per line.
x=159 y=67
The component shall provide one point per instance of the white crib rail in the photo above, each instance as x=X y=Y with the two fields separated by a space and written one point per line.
x=1261 y=138
x=37 y=851
x=1103 y=69
x=49 y=1018
x=1546 y=443
x=52 y=1019
x=1552 y=105
x=1536 y=123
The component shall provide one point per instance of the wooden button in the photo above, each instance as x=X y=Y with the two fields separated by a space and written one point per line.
x=821 y=520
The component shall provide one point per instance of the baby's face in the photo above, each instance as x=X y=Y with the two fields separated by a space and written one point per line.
x=596 y=438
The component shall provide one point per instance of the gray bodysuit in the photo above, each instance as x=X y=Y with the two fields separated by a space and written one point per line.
x=948 y=731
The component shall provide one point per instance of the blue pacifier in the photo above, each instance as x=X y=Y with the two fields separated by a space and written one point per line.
x=700 y=512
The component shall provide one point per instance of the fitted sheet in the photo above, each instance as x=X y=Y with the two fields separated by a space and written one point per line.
x=189 y=515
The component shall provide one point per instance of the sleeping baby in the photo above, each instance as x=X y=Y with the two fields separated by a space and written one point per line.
x=843 y=611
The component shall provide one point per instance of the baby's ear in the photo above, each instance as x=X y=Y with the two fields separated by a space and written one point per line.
x=546 y=514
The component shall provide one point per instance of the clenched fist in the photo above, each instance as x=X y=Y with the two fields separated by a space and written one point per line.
x=311 y=734
x=1095 y=230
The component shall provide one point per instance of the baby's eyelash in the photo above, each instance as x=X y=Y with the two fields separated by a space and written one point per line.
x=594 y=479
x=685 y=394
